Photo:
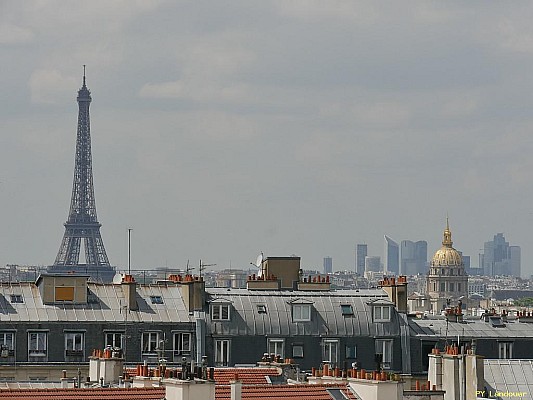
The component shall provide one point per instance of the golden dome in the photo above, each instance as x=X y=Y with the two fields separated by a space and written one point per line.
x=447 y=256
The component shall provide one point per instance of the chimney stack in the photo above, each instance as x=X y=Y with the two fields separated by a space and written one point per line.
x=129 y=287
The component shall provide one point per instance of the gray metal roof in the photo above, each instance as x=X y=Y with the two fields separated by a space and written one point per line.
x=326 y=318
x=470 y=328
x=108 y=305
x=509 y=376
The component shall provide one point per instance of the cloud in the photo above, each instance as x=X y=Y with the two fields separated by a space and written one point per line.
x=12 y=34
x=46 y=86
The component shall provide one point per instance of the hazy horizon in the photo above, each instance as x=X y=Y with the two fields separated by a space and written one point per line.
x=220 y=130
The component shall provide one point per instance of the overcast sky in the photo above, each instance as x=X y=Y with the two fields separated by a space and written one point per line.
x=221 y=129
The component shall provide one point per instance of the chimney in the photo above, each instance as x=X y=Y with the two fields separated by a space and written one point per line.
x=177 y=389
x=236 y=388
x=193 y=292
x=396 y=289
x=435 y=369
x=129 y=287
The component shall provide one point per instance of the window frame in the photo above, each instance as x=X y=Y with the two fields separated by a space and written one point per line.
x=276 y=342
x=327 y=346
x=385 y=348
x=7 y=346
x=114 y=339
x=505 y=350
x=222 y=352
x=157 y=299
x=350 y=351
x=217 y=312
x=149 y=349
x=77 y=342
x=347 y=310
x=178 y=339
x=298 y=312
x=38 y=352
x=300 y=354
x=378 y=313
x=16 y=298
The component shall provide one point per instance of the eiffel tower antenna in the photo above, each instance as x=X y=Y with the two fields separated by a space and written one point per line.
x=82 y=223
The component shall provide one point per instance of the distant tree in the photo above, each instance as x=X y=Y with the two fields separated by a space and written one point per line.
x=525 y=302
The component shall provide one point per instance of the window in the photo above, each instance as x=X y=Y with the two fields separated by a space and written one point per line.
x=331 y=347
x=261 y=309
x=156 y=299
x=346 y=309
x=220 y=312
x=222 y=352
x=17 y=298
x=7 y=344
x=114 y=340
x=452 y=287
x=297 y=350
x=442 y=287
x=182 y=343
x=276 y=347
x=150 y=342
x=301 y=312
x=458 y=287
x=384 y=347
x=351 y=351
x=37 y=346
x=73 y=346
x=64 y=293
x=382 y=313
x=505 y=350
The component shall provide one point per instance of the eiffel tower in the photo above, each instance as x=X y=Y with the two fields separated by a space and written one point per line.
x=82 y=223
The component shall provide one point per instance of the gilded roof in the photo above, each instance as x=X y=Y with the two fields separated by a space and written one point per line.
x=447 y=256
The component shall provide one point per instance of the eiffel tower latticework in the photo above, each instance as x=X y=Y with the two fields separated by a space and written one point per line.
x=82 y=223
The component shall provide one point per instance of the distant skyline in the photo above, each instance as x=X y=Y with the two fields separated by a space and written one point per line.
x=220 y=130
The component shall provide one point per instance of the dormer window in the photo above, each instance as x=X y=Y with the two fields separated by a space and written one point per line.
x=261 y=309
x=382 y=313
x=220 y=312
x=301 y=312
x=17 y=298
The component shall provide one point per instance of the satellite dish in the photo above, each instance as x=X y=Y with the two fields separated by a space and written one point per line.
x=259 y=264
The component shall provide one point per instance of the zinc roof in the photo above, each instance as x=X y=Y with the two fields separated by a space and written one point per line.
x=474 y=328
x=326 y=318
x=107 y=304
x=509 y=376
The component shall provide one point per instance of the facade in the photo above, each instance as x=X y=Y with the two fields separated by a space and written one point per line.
x=372 y=264
x=61 y=318
x=447 y=281
x=328 y=265
x=361 y=251
x=392 y=257
x=413 y=257
x=499 y=258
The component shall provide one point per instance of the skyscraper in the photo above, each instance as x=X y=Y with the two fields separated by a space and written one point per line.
x=413 y=257
x=328 y=265
x=392 y=256
x=361 y=251
x=499 y=258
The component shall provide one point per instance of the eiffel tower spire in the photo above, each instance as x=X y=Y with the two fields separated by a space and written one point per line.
x=82 y=222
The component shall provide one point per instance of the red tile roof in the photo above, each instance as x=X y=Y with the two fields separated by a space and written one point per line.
x=83 y=394
x=248 y=376
x=283 y=392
